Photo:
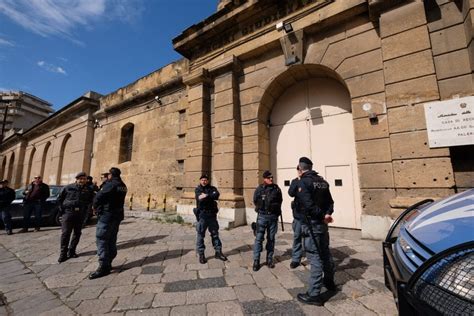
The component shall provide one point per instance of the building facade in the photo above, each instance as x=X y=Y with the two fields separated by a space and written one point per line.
x=56 y=148
x=262 y=83
x=20 y=111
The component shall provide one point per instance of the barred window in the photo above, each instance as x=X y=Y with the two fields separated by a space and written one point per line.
x=126 y=143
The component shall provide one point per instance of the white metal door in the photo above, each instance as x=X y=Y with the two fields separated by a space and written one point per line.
x=313 y=119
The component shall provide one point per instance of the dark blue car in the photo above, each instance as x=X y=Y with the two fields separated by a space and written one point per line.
x=429 y=257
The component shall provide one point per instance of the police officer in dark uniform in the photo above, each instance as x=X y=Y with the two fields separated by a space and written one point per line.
x=7 y=195
x=297 y=249
x=108 y=204
x=315 y=202
x=73 y=201
x=206 y=213
x=267 y=199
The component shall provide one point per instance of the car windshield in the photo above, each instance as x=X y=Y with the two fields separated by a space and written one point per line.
x=19 y=194
x=54 y=191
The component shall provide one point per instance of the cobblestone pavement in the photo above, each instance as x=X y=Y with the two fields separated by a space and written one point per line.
x=157 y=272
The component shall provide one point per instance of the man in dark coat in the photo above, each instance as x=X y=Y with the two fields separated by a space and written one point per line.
x=35 y=197
x=108 y=204
x=314 y=201
x=7 y=195
x=267 y=199
x=74 y=201
x=206 y=212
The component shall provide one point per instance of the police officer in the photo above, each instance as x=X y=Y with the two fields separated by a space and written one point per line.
x=206 y=212
x=314 y=201
x=7 y=195
x=108 y=204
x=74 y=201
x=94 y=188
x=267 y=199
x=297 y=249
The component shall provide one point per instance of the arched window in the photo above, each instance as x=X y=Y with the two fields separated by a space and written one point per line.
x=126 y=143
x=4 y=167
x=30 y=165
x=10 y=168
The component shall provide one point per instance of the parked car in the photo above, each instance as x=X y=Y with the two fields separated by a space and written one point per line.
x=429 y=257
x=50 y=213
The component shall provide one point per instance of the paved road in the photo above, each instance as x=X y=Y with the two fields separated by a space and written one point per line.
x=157 y=273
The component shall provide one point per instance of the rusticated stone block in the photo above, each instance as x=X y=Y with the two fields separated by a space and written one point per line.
x=377 y=150
x=223 y=98
x=406 y=118
x=366 y=84
x=226 y=129
x=358 y=44
x=450 y=15
x=459 y=86
x=251 y=179
x=423 y=173
x=225 y=113
x=448 y=40
x=377 y=101
x=251 y=95
x=408 y=67
x=414 y=145
x=376 y=175
x=361 y=64
x=227 y=161
x=452 y=64
x=421 y=193
x=376 y=201
x=405 y=43
x=365 y=130
x=412 y=15
x=412 y=91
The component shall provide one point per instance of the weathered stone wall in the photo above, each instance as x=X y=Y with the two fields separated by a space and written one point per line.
x=156 y=165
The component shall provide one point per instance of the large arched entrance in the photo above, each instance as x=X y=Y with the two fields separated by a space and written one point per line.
x=312 y=117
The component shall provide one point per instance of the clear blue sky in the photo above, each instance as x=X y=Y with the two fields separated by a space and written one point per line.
x=60 y=49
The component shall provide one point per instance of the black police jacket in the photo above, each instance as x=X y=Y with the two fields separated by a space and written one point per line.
x=74 y=195
x=209 y=203
x=268 y=199
x=7 y=195
x=111 y=198
x=312 y=196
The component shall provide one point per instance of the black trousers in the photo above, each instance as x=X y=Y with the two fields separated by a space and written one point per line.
x=71 y=223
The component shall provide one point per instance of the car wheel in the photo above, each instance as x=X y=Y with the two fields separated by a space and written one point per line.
x=57 y=218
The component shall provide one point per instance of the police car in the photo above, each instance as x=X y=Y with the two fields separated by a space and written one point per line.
x=429 y=257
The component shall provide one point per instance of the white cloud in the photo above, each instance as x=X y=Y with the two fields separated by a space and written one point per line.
x=62 y=17
x=5 y=42
x=51 y=68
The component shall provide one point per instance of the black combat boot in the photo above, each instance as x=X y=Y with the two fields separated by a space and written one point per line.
x=202 y=258
x=219 y=255
x=330 y=285
x=270 y=263
x=62 y=257
x=294 y=264
x=312 y=300
x=100 y=272
x=72 y=254
x=256 y=265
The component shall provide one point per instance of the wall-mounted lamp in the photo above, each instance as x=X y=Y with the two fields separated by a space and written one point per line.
x=367 y=107
x=158 y=100
x=97 y=124
x=284 y=26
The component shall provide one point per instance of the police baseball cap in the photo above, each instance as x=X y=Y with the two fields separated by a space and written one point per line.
x=204 y=176
x=306 y=160
x=81 y=174
x=267 y=174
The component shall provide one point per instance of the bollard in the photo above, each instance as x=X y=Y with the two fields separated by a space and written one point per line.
x=148 y=202
x=131 y=201
x=164 y=202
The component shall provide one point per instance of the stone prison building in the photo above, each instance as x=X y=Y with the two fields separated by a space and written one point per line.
x=261 y=83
